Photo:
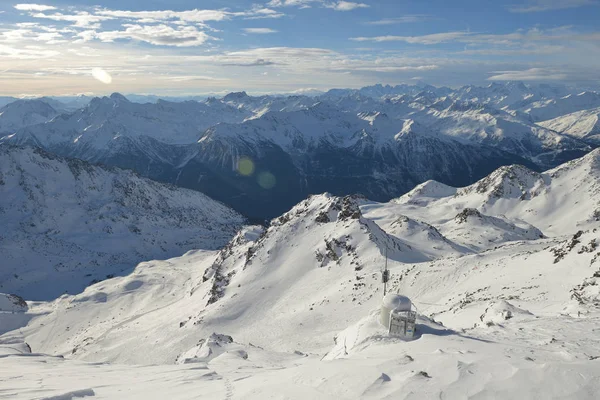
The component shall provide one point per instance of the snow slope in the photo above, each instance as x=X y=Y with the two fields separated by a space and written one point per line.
x=516 y=323
x=583 y=125
x=66 y=223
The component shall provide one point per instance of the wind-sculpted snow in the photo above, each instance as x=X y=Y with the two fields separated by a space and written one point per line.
x=66 y=223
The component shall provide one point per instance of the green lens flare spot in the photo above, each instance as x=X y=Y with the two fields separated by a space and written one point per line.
x=266 y=180
x=245 y=166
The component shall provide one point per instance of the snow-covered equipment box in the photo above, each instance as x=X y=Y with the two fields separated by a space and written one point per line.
x=397 y=315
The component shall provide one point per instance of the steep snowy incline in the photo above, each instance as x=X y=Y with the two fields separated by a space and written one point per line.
x=66 y=223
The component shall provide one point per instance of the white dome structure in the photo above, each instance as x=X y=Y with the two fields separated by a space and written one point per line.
x=397 y=315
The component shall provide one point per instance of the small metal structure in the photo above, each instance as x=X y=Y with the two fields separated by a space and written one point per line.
x=397 y=316
x=385 y=274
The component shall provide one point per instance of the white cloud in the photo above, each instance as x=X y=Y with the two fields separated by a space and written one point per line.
x=346 y=5
x=340 y=5
x=162 y=35
x=434 y=38
x=26 y=53
x=400 y=20
x=510 y=41
x=34 y=7
x=32 y=33
x=188 y=78
x=292 y=3
x=392 y=68
x=258 y=12
x=547 y=5
x=193 y=16
x=164 y=15
x=532 y=74
x=260 y=31
x=81 y=19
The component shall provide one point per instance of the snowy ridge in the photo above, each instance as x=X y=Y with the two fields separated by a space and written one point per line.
x=67 y=223
x=380 y=141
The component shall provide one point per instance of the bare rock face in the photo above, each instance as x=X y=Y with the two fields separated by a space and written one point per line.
x=464 y=215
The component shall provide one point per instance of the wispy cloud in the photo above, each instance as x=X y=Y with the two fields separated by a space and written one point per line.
x=434 y=38
x=157 y=34
x=532 y=74
x=260 y=31
x=292 y=3
x=81 y=19
x=406 y=19
x=547 y=5
x=508 y=40
x=340 y=5
x=260 y=62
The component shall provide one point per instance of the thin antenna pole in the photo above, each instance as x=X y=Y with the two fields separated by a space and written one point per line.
x=385 y=274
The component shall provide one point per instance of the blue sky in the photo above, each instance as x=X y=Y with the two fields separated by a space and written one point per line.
x=214 y=46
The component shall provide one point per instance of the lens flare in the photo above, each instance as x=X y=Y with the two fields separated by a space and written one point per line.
x=245 y=166
x=266 y=180
x=101 y=75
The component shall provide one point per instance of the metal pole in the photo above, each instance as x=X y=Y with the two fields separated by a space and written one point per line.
x=386 y=273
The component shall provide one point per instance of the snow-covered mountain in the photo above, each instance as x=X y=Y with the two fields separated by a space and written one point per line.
x=504 y=274
x=107 y=119
x=260 y=105
x=480 y=123
x=321 y=261
x=561 y=200
x=66 y=223
x=22 y=113
x=4 y=100
x=509 y=94
x=556 y=107
x=583 y=125
x=379 y=141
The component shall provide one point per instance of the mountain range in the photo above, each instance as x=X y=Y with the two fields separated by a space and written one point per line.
x=377 y=141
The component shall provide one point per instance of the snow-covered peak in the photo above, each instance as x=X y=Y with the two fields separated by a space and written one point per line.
x=235 y=96
x=23 y=113
x=514 y=181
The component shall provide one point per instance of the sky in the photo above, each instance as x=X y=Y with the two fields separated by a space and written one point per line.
x=191 y=47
